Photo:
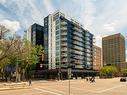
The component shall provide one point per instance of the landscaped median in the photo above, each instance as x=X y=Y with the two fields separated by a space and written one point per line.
x=13 y=86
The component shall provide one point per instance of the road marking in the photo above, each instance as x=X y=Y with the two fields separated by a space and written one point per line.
x=51 y=92
x=55 y=90
x=81 y=89
x=110 y=88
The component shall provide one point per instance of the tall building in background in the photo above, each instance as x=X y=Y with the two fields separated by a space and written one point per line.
x=35 y=34
x=97 y=58
x=67 y=43
x=113 y=50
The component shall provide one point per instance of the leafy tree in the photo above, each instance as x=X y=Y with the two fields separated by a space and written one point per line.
x=124 y=72
x=108 y=71
x=19 y=52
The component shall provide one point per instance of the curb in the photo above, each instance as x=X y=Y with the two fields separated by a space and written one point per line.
x=13 y=88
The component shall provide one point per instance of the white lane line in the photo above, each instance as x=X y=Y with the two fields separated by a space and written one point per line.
x=81 y=89
x=56 y=90
x=110 y=88
x=47 y=91
x=31 y=93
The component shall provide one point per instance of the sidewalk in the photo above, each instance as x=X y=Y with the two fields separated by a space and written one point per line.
x=13 y=86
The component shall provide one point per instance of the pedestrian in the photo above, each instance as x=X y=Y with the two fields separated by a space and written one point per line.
x=86 y=79
x=30 y=82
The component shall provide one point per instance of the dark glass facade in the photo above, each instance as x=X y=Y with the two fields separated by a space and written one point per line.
x=36 y=34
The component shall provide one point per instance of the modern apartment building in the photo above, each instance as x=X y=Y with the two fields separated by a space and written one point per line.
x=67 y=43
x=97 y=58
x=35 y=34
x=113 y=50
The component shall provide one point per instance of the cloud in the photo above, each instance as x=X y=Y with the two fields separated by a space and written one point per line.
x=101 y=18
x=2 y=1
x=48 y=6
x=13 y=26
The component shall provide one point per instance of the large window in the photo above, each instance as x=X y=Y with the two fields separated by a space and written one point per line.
x=57 y=27
x=57 y=32
x=57 y=22
x=57 y=48
x=57 y=43
x=57 y=37
x=57 y=53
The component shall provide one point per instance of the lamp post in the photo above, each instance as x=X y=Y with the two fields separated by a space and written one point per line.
x=17 y=68
x=69 y=71
x=69 y=77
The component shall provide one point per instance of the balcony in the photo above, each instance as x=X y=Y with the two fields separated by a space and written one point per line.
x=63 y=28
x=78 y=43
x=64 y=54
x=77 y=38
x=64 y=44
x=64 y=39
x=77 y=29
x=63 y=49
x=63 y=23
x=64 y=60
x=63 y=33
x=78 y=34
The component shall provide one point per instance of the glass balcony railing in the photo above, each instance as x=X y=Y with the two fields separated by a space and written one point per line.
x=77 y=38
x=63 y=44
x=63 y=39
x=63 y=33
x=64 y=60
x=63 y=28
x=63 y=54
x=63 y=23
x=63 y=49
x=77 y=29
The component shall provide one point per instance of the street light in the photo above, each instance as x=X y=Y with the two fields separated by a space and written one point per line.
x=69 y=77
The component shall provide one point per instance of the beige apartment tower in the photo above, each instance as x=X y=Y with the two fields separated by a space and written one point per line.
x=113 y=48
x=97 y=58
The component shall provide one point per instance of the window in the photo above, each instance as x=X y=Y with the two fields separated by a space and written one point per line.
x=57 y=27
x=56 y=16
x=57 y=53
x=57 y=48
x=57 y=43
x=57 y=22
x=57 y=32
x=57 y=59
x=57 y=37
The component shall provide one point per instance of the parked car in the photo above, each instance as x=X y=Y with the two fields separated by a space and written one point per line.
x=123 y=79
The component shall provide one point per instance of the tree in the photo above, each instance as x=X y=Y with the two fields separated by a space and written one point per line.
x=33 y=58
x=124 y=72
x=108 y=71
x=20 y=54
x=3 y=30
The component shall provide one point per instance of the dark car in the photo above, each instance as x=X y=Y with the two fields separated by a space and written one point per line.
x=123 y=79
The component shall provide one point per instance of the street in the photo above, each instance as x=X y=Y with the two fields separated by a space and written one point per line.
x=77 y=87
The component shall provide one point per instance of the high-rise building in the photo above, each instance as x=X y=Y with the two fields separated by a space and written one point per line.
x=67 y=43
x=35 y=34
x=113 y=50
x=97 y=58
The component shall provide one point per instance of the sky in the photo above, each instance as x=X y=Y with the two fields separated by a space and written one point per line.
x=100 y=17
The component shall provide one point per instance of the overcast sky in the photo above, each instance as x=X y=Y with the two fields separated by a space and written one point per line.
x=100 y=17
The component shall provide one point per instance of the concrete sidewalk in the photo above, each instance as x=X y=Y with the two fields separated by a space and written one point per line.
x=13 y=86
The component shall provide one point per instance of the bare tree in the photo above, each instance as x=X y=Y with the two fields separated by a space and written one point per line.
x=3 y=30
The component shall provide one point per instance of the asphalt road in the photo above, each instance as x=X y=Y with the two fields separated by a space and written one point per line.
x=77 y=87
